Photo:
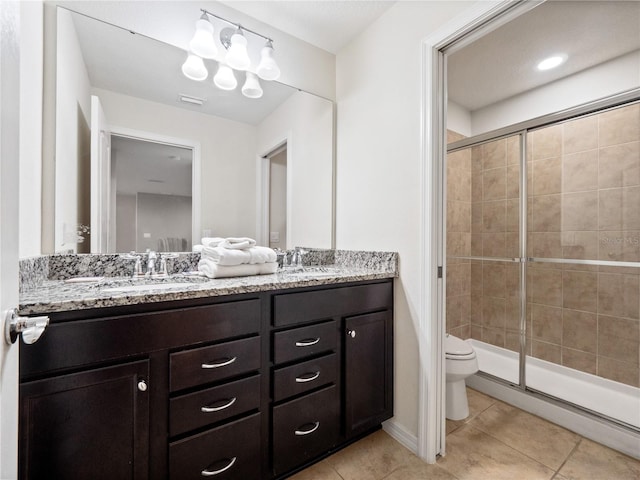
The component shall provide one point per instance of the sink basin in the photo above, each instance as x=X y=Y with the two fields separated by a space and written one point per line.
x=147 y=287
x=145 y=284
x=312 y=272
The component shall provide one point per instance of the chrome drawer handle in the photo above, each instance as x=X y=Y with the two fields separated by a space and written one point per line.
x=307 y=432
x=224 y=363
x=308 y=379
x=307 y=342
x=211 y=473
x=217 y=409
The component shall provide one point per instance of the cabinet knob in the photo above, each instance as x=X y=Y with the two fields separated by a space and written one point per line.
x=351 y=333
x=142 y=386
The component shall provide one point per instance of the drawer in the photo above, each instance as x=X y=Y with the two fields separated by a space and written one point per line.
x=233 y=451
x=304 y=376
x=302 y=307
x=211 y=364
x=303 y=342
x=135 y=334
x=305 y=428
x=212 y=405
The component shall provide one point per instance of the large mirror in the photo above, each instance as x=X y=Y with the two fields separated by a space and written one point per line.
x=146 y=158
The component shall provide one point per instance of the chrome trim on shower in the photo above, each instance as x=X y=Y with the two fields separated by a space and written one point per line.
x=523 y=202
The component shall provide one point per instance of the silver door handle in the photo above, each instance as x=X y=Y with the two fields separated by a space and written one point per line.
x=307 y=342
x=31 y=328
x=351 y=333
x=307 y=432
x=211 y=473
x=311 y=378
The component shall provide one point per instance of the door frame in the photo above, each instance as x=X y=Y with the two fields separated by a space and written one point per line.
x=479 y=19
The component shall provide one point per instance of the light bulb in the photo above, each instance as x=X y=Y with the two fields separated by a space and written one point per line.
x=224 y=78
x=194 y=68
x=268 y=68
x=251 y=87
x=237 y=56
x=202 y=43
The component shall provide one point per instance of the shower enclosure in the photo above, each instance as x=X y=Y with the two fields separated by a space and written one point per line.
x=543 y=255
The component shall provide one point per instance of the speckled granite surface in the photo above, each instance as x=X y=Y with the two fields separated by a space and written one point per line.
x=57 y=295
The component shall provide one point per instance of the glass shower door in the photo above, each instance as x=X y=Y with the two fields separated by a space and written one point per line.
x=583 y=249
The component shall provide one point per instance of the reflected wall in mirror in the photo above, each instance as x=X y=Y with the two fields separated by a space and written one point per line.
x=138 y=83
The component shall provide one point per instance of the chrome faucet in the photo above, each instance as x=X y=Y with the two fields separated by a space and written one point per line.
x=296 y=257
x=151 y=263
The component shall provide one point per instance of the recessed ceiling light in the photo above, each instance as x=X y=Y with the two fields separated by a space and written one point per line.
x=552 y=62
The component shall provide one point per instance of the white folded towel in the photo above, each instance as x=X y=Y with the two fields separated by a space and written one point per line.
x=197 y=248
x=237 y=243
x=211 y=241
x=211 y=269
x=229 y=256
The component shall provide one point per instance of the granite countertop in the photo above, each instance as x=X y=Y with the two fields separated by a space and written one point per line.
x=74 y=294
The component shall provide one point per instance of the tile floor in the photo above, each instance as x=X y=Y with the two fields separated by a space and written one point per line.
x=495 y=442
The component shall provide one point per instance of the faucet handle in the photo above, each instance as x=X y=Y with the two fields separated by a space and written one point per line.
x=137 y=269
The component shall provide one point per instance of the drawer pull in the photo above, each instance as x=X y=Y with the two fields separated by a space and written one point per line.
x=311 y=378
x=211 y=473
x=217 y=409
x=307 y=432
x=223 y=363
x=307 y=342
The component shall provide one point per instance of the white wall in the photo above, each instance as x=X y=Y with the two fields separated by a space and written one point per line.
x=378 y=165
x=458 y=119
x=278 y=199
x=31 y=52
x=601 y=81
x=306 y=123
x=162 y=216
x=73 y=109
x=228 y=151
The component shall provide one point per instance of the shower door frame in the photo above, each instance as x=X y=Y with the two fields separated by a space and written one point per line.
x=522 y=129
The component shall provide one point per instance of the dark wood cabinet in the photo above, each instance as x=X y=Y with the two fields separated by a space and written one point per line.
x=249 y=386
x=93 y=424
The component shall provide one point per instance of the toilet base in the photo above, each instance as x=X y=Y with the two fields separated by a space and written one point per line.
x=457 y=406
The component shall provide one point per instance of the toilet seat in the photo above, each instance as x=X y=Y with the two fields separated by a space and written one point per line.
x=457 y=349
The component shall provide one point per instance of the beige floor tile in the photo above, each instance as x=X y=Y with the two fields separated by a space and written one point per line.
x=416 y=469
x=372 y=458
x=475 y=455
x=539 y=439
x=319 y=471
x=592 y=461
x=478 y=403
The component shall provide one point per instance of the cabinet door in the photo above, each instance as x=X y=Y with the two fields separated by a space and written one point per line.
x=92 y=424
x=368 y=375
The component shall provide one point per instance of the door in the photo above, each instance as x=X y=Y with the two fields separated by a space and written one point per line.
x=9 y=154
x=100 y=177
x=368 y=374
x=92 y=424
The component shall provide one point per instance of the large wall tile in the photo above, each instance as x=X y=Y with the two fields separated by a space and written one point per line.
x=621 y=125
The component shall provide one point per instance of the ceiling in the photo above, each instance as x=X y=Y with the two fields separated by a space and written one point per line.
x=503 y=63
x=327 y=24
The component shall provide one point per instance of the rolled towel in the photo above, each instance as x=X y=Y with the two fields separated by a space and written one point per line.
x=197 y=248
x=211 y=241
x=262 y=255
x=214 y=270
x=226 y=256
x=238 y=243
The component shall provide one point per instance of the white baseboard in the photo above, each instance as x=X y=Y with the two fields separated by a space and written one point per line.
x=589 y=426
x=401 y=435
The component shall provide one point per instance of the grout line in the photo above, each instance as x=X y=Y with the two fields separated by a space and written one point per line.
x=573 y=450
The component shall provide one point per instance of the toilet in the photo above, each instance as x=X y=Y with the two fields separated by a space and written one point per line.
x=460 y=360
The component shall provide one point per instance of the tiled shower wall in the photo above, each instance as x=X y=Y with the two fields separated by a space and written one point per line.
x=583 y=187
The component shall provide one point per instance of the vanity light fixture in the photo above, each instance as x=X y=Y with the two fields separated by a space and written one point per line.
x=552 y=62
x=194 y=68
x=202 y=45
x=225 y=79
x=251 y=87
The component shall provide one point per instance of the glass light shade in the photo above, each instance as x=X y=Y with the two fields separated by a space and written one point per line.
x=202 y=43
x=237 y=56
x=224 y=78
x=268 y=68
x=194 y=68
x=251 y=87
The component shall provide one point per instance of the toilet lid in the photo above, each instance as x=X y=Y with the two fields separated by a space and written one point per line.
x=454 y=346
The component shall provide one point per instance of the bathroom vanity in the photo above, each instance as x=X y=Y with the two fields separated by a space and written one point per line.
x=249 y=385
